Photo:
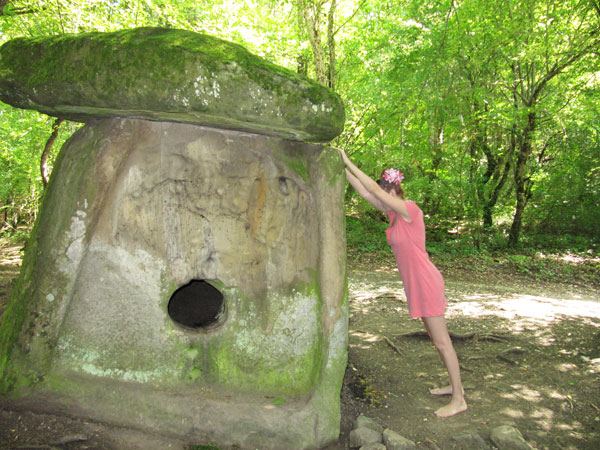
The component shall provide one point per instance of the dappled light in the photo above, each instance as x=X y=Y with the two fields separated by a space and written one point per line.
x=489 y=108
x=545 y=417
x=10 y=255
x=526 y=310
x=527 y=354
x=514 y=413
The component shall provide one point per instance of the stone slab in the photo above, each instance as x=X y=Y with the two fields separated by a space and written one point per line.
x=166 y=74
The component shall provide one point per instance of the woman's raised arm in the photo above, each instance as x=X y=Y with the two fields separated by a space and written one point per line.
x=386 y=200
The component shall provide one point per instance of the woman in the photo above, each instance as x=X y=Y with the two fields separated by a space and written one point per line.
x=423 y=282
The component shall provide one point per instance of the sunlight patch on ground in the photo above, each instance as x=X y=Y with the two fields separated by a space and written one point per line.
x=544 y=418
x=569 y=427
x=364 y=295
x=367 y=337
x=514 y=413
x=571 y=258
x=567 y=367
x=523 y=308
x=10 y=254
x=10 y=259
x=368 y=293
x=526 y=393
x=493 y=376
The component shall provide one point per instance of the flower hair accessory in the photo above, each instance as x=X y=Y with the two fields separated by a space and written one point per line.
x=392 y=176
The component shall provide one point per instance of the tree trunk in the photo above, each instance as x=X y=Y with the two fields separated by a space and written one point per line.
x=521 y=179
x=331 y=43
x=488 y=206
x=310 y=13
x=46 y=152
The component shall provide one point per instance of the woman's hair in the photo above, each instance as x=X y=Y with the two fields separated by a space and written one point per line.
x=387 y=186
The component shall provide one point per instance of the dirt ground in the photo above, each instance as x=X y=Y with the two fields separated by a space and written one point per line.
x=529 y=351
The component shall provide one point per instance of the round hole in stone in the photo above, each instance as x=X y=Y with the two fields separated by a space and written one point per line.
x=196 y=305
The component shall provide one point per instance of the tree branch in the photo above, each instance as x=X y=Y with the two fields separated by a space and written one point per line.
x=596 y=6
x=350 y=18
x=46 y=152
x=6 y=9
x=16 y=11
x=331 y=44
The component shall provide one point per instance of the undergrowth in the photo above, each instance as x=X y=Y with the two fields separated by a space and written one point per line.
x=543 y=257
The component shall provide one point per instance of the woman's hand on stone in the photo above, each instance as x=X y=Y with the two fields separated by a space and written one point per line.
x=343 y=155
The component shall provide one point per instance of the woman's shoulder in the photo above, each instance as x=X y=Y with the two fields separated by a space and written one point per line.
x=412 y=204
x=413 y=209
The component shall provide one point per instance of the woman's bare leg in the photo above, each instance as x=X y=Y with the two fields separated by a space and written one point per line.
x=440 y=391
x=438 y=332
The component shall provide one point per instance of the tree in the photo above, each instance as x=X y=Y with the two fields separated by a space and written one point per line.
x=6 y=9
x=470 y=94
x=476 y=101
x=544 y=49
x=310 y=14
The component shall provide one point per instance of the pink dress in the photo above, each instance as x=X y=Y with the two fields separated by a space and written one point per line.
x=423 y=282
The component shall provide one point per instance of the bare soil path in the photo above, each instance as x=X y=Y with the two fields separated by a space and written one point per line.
x=530 y=353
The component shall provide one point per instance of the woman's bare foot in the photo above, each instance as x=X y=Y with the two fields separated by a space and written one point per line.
x=441 y=391
x=452 y=408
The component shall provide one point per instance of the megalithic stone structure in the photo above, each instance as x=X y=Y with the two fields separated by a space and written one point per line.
x=186 y=274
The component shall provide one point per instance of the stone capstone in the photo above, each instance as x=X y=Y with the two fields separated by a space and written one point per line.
x=167 y=75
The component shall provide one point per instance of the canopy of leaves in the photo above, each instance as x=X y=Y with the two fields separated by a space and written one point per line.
x=489 y=107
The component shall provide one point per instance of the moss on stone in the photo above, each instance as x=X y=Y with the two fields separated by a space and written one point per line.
x=331 y=164
x=243 y=357
x=171 y=74
x=14 y=318
x=296 y=161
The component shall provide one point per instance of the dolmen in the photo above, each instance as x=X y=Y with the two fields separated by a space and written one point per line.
x=186 y=273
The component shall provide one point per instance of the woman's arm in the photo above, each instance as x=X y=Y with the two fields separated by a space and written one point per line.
x=363 y=192
x=386 y=200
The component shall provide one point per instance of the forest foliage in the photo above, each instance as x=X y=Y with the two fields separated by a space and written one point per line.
x=489 y=107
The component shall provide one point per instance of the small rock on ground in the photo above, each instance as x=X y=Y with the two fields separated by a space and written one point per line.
x=363 y=436
x=394 y=441
x=506 y=437
x=470 y=441
x=366 y=422
x=375 y=446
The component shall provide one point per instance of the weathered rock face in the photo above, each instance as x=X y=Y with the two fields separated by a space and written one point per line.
x=135 y=210
x=183 y=276
x=165 y=74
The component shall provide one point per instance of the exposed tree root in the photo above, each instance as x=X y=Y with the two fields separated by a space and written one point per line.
x=457 y=337
x=391 y=344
